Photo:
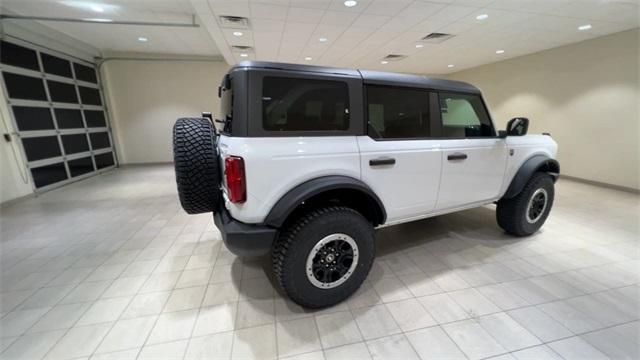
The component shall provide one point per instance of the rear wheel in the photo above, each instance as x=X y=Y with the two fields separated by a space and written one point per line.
x=196 y=164
x=526 y=212
x=324 y=256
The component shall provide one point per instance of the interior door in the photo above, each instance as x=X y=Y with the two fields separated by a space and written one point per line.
x=400 y=160
x=473 y=158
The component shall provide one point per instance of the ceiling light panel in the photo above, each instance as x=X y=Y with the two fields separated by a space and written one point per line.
x=304 y=15
x=268 y=11
x=93 y=7
x=387 y=8
x=359 y=35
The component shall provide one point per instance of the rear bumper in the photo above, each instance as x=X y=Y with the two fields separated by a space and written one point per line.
x=242 y=239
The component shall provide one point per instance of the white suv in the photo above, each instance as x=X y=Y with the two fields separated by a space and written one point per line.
x=306 y=162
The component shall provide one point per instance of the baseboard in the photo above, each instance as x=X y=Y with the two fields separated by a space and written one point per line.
x=146 y=164
x=601 y=184
x=17 y=200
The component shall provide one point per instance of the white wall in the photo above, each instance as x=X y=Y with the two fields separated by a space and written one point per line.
x=587 y=95
x=147 y=96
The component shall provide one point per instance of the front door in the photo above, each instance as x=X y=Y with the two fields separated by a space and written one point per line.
x=399 y=159
x=473 y=158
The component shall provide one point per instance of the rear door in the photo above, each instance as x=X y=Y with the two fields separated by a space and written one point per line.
x=400 y=159
x=473 y=157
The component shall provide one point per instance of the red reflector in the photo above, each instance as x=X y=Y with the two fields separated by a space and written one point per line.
x=236 y=184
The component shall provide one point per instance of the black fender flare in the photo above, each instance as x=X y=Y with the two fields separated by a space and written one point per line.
x=296 y=196
x=529 y=167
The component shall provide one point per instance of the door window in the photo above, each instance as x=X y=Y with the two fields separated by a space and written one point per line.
x=464 y=116
x=395 y=113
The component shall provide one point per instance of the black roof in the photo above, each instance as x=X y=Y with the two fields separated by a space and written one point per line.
x=368 y=77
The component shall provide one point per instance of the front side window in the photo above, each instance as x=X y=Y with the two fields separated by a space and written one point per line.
x=292 y=104
x=464 y=116
x=398 y=113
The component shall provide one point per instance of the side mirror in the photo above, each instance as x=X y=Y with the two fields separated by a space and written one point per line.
x=517 y=126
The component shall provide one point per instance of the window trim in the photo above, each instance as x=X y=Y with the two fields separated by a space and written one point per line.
x=254 y=84
x=484 y=105
x=435 y=124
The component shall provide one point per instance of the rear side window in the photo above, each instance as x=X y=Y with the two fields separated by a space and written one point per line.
x=398 y=113
x=464 y=116
x=292 y=104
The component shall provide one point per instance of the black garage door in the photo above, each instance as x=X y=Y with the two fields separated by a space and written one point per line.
x=58 y=113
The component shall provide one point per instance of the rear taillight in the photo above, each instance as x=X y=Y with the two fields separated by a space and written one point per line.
x=236 y=182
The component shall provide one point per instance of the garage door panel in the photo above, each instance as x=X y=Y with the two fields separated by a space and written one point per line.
x=29 y=118
x=57 y=113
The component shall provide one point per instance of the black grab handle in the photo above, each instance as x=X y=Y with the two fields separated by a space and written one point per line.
x=457 y=157
x=383 y=161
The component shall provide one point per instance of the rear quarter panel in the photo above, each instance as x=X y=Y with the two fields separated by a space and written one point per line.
x=275 y=165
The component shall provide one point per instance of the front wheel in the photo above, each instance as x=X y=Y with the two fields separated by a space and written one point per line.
x=323 y=257
x=526 y=212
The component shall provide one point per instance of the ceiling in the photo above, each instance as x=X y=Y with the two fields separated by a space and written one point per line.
x=357 y=37
x=123 y=38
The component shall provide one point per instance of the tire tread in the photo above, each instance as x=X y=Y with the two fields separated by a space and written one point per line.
x=196 y=165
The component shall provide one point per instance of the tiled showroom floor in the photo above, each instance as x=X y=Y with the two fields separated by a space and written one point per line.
x=111 y=268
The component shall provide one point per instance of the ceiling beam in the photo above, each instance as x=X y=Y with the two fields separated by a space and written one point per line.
x=208 y=20
x=192 y=24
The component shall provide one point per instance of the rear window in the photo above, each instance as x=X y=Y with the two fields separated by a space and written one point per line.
x=226 y=105
x=292 y=104
x=396 y=113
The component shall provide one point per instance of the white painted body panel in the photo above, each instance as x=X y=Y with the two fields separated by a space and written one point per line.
x=275 y=165
x=525 y=147
x=422 y=182
x=478 y=178
x=408 y=187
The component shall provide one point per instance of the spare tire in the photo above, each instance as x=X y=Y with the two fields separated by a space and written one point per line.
x=196 y=162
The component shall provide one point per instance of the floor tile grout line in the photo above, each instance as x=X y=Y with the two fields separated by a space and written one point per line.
x=204 y=295
x=155 y=323
x=73 y=325
x=546 y=343
x=132 y=297
x=124 y=310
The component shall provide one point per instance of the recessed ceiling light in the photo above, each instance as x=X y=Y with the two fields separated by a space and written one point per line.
x=237 y=33
x=143 y=39
x=384 y=62
x=90 y=6
x=499 y=51
x=99 y=20
x=584 y=27
x=450 y=65
x=482 y=17
x=323 y=39
x=419 y=46
x=308 y=58
x=350 y=3
x=243 y=55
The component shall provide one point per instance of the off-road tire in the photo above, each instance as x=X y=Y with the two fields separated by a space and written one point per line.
x=294 y=244
x=512 y=213
x=196 y=163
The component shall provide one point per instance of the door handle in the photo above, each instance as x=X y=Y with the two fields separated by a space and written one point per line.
x=382 y=161
x=456 y=156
